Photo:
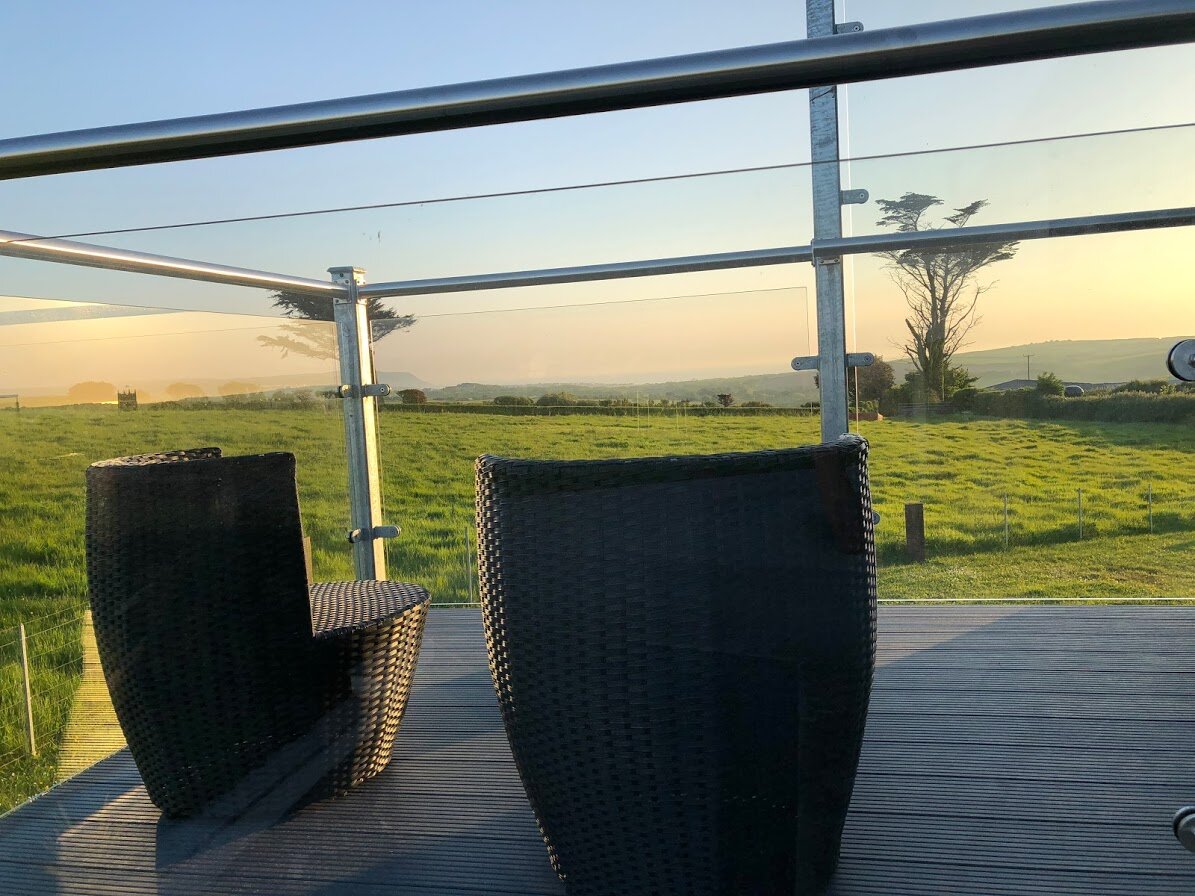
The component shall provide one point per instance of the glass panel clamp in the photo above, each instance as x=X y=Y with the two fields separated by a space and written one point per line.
x=369 y=390
x=359 y=535
x=853 y=359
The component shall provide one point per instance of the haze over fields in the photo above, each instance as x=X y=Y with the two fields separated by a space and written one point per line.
x=1089 y=361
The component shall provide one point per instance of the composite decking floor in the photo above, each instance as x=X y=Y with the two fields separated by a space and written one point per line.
x=1009 y=750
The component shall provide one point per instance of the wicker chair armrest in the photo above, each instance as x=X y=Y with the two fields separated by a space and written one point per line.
x=339 y=609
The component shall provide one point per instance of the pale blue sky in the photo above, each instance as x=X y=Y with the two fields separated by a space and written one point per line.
x=81 y=64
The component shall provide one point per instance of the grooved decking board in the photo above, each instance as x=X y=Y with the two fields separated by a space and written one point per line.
x=92 y=732
x=1013 y=751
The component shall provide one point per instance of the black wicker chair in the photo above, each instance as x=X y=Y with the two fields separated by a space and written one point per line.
x=683 y=650
x=233 y=680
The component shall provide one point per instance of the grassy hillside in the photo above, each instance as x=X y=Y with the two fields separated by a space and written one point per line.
x=961 y=471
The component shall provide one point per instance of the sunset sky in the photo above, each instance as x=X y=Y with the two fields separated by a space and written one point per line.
x=93 y=67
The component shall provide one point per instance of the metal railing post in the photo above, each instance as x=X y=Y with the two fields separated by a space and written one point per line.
x=827 y=224
x=32 y=739
x=360 y=392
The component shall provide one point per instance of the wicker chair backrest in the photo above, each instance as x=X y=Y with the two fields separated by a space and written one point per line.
x=199 y=593
x=682 y=649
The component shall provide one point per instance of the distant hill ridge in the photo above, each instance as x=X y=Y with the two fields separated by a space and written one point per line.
x=1075 y=361
x=775 y=388
x=211 y=385
x=1082 y=361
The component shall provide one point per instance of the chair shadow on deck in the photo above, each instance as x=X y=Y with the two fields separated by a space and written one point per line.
x=401 y=828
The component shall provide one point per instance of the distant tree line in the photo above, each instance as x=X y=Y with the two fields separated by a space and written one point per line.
x=568 y=400
x=708 y=409
x=1141 y=401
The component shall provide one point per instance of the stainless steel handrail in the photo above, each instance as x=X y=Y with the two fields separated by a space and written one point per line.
x=856 y=245
x=1023 y=35
x=951 y=237
x=620 y=270
x=24 y=245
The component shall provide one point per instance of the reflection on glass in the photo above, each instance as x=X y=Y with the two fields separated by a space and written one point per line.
x=447 y=236
x=84 y=382
x=606 y=370
x=1021 y=400
x=1036 y=180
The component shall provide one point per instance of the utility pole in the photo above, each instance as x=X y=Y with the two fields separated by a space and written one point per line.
x=1027 y=375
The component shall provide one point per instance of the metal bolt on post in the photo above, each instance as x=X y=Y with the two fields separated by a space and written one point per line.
x=32 y=739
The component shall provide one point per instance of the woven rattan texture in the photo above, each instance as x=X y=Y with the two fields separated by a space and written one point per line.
x=377 y=628
x=683 y=651
x=204 y=625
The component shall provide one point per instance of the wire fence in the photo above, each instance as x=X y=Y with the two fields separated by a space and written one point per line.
x=966 y=523
x=960 y=521
x=41 y=665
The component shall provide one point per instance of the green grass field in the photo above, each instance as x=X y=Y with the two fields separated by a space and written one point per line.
x=961 y=471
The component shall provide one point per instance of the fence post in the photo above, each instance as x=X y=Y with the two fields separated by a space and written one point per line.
x=1080 y=514
x=1006 y=522
x=1150 y=498
x=28 y=689
x=469 y=562
x=915 y=531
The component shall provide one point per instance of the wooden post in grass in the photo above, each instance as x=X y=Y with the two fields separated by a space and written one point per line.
x=1080 y=514
x=915 y=531
x=307 y=557
x=469 y=562
x=1006 y=522
x=1150 y=498
x=28 y=690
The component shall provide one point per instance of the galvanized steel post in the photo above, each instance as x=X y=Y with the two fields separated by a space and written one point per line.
x=359 y=391
x=827 y=224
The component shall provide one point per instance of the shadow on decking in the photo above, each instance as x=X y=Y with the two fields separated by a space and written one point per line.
x=1009 y=750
